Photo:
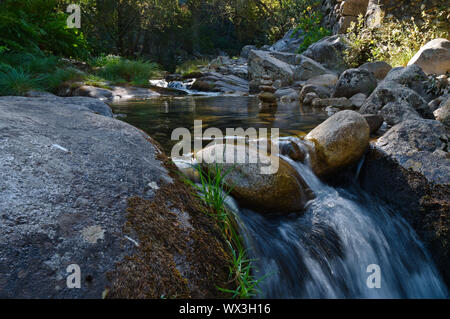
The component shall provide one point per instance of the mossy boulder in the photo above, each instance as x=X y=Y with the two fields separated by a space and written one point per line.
x=254 y=185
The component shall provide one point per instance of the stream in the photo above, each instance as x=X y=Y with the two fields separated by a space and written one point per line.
x=325 y=252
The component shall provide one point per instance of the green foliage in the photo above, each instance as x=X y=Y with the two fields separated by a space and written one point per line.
x=119 y=70
x=211 y=190
x=191 y=66
x=394 y=41
x=17 y=81
x=20 y=72
x=309 y=26
x=36 y=26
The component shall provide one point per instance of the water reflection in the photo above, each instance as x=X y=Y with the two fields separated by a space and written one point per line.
x=160 y=116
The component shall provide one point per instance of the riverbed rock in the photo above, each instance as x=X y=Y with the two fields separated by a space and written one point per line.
x=375 y=121
x=262 y=63
x=339 y=141
x=309 y=98
x=379 y=69
x=433 y=57
x=409 y=167
x=358 y=100
x=354 y=81
x=290 y=42
x=398 y=111
x=442 y=114
x=339 y=103
x=67 y=178
x=279 y=192
x=307 y=68
x=329 y=52
x=321 y=91
x=390 y=91
x=327 y=80
x=411 y=77
x=246 y=50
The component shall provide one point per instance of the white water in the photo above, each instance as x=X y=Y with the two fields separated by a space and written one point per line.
x=325 y=252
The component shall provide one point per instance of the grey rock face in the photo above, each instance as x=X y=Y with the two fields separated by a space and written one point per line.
x=246 y=50
x=390 y=91
x=289 y=43
x=354 y=81
x=329 y=52
x=307 y=68
x=412 y=77
x=409 y=167
x=379 y=68
x=396 y=112
x=66 y=176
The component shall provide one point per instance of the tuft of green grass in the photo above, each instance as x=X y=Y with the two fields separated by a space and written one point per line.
x=16 y=81
x=191 y=66
x=121 y=71
x=212 y=191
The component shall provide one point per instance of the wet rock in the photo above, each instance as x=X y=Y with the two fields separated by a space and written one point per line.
x=374 y=121
x=267 y=97
x=379 y=69
x=433 y=57
x=279 y=192
x=409 y=168
x=292 y=150
x=329 y=52
x=339 y=141
x=309 y=98
x=354 y=81
x=66 y=180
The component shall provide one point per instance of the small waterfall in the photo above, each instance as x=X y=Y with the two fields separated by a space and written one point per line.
x=325 y=252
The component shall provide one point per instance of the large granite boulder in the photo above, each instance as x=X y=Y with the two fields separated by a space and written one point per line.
x=339 y=141
x=290 y=42
x=280 y=191
x=409 y=167
x=67 y=178
x=329 y=52
x=433 y=57
x=390 y=91
x=262 y=63
x=354 y=81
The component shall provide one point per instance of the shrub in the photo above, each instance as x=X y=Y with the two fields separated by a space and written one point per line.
x=309 y=26
x=211 y=191
x=16 y=81
x=120 y=70
x=37 y=26
x=191 y=66
x=394 y=41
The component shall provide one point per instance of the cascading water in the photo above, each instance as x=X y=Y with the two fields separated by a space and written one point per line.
x=325 y=252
